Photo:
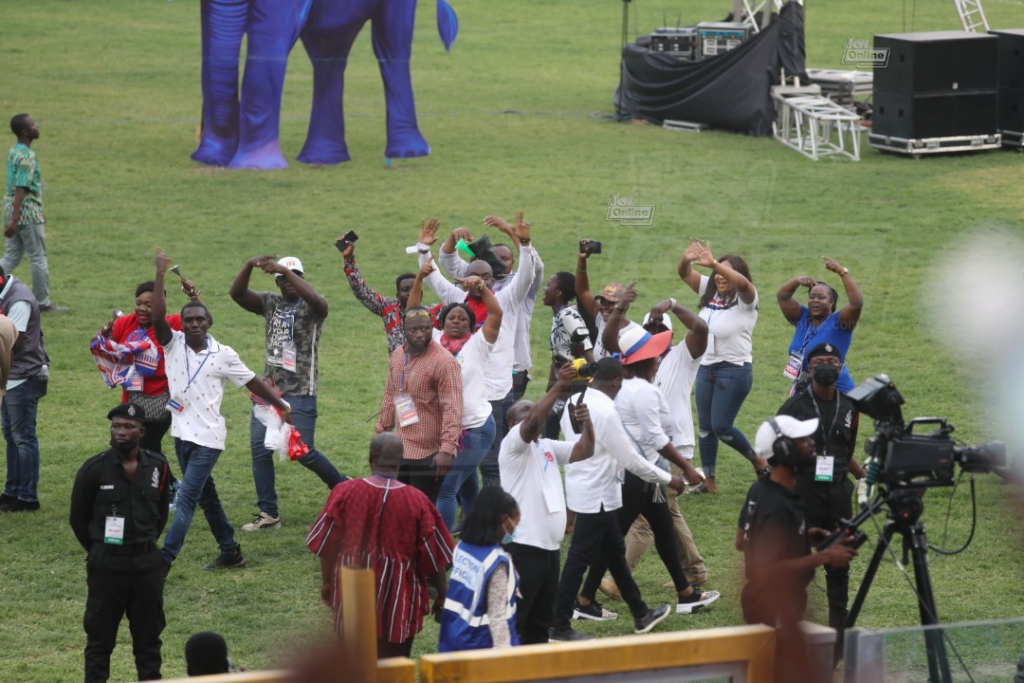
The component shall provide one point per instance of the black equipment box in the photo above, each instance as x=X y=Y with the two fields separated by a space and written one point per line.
x=718 y=37
x=934 y=116
x=680 y=42
x=939 y=61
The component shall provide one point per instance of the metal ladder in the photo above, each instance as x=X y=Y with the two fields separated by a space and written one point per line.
x=972 y=16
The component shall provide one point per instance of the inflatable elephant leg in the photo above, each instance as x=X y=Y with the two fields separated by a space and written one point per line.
x=392 y=43
x=223 y=25
x=328 y=50
x=273 y=29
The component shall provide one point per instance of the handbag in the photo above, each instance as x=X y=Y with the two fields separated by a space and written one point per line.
x=154 y=408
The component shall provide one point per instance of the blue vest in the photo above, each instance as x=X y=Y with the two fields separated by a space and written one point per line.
x=464 y=623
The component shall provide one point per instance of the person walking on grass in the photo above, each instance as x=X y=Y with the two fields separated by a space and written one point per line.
x=23 y=219
x=197 y=367
x=294 y=320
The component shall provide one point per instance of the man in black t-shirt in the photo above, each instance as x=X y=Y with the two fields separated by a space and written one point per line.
x=773 y=533
x=825 y=489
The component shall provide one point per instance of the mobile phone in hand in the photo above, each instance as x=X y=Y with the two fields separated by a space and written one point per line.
x=349 y=238
x=590 y=247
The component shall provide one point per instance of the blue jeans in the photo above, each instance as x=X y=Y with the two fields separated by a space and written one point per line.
x=489 y=470
x=721 y=390
x=30 y=240
x=197 y=487
x=461 y=478
x=304 y=419
x=18 y=411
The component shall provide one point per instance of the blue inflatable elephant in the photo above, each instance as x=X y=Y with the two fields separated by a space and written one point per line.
x=242 y=132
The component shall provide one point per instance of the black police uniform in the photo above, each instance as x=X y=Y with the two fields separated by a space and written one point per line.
x=774 y=526
x=126 y=577
x=826 y=503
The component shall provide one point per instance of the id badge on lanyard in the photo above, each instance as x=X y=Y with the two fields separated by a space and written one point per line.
x=405 y=410
x=288 y=356
x=113 y=531
x=794 y=366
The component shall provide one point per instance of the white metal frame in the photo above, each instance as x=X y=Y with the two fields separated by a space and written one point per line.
x=814 y=125
x=972 y=16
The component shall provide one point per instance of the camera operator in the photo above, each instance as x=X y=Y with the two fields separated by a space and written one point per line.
x=825 y=489
x=569 y=339
x=773 y=532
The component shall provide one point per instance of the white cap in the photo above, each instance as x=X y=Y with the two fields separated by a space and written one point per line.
x=292 y=263
x=789 y=426
x=666 y=320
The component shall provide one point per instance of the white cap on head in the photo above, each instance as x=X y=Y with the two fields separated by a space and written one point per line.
x=666 y=320
x=292 y=263
x=789 y=426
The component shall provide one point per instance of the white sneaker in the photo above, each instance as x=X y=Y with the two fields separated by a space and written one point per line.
x=698 y=600
x=262 y=521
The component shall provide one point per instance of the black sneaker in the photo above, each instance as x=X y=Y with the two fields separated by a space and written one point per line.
x=17 y=505
x=696 y=601
x=567 y=635
x=651 y=619
x=594 y=612
x=232 y=560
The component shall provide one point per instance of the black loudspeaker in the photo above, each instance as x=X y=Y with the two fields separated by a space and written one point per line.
x=940 y=61
x=1011 y=57
x=912 y=117
x=1011 y=110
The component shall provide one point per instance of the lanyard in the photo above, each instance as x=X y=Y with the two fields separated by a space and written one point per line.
x=188 y=370
x=835 y=421
x=289 y=320
x=810 y=334
x=401 y=386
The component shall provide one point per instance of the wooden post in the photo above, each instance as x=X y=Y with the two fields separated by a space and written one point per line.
x=359 y=621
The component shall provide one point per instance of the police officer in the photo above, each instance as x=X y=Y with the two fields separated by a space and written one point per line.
x=118 y=509
x=825 y=489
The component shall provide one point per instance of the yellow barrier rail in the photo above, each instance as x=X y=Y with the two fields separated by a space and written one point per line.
x=752 y=645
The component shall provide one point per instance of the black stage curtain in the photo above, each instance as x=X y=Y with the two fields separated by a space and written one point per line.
x=728 y=92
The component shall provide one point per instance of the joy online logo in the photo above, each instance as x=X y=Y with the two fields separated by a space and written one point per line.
x=626 y=212
x=861 y=52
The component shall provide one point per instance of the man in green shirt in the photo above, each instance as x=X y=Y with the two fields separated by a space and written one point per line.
x=24 y=223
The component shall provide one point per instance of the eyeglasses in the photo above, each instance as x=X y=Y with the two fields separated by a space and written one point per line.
x=410 y=315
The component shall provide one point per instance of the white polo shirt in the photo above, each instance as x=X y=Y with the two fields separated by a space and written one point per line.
x=645 y=415
x=530 y=473
x=198 y=379
x=675 y=378
x=597 y=481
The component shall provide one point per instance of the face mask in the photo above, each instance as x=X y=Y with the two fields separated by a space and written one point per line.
x=826 y=375
x=509 y=537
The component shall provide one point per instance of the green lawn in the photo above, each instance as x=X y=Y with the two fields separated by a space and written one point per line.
x=516 y=115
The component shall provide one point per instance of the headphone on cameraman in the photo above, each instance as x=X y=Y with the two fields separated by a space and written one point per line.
x=783 y=448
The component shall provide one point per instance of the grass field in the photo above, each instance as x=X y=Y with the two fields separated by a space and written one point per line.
x=517 y=118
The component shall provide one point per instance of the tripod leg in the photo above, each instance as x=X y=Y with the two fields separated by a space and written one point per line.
x=883 y=543
x=938 y=660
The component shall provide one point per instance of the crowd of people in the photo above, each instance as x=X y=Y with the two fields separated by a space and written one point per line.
x=601 y=456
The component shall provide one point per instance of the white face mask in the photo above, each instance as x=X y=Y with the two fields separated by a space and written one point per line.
x=509 y=536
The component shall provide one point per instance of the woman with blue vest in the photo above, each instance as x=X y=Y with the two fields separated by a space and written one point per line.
x=480 y=609
x=819 y=322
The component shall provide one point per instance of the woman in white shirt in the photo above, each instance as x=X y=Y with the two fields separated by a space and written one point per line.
x=471 y=348
x=728 y=304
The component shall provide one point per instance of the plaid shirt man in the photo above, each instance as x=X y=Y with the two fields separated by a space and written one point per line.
x=433 y=380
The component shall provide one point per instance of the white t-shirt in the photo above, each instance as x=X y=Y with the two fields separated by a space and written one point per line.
x=599 y=350
x=529 y=472
x=675 y=378
x=645 y=415
x=597 y=481
x=472 y=359
x=730 y=325
x=198 y=379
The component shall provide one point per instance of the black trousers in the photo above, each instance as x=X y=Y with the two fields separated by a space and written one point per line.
x=538 y=584
x=637 y=499
x=420 y=474
x=489 y=470
x=152 y=440
x=596 y=534
x=122 y=583
x=825 y=503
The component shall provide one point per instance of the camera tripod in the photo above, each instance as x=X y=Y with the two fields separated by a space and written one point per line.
x=905 y=508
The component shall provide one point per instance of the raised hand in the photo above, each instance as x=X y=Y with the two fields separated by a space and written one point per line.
x=462 y=234
x=427 y=268
x=499 y=223
x=350 y=247
x=704 y=256
x=521 y=229
x=692 y=252
x=260 y=261
x=833 y=265
x=473 y=284
x=585 y=254
x=629 y=294
x=163 y=261
x=189 y=289
x=582 y=415
x=805 y=281
x=428 y=230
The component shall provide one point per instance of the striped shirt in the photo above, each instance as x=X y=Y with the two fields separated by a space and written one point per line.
x=433 y=380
